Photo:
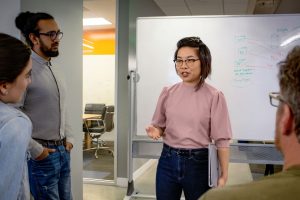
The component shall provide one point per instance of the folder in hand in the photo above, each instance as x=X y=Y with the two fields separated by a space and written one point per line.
x=213 y=166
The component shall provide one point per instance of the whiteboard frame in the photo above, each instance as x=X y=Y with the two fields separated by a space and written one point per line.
x=266 y=135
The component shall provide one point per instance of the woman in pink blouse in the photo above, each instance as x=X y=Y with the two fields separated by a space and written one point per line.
x=189 y=115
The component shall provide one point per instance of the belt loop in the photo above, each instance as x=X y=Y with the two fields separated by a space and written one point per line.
x=167 y=147
x=190 y=152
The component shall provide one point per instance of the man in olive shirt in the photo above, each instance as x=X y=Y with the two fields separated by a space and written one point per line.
x=284 y=185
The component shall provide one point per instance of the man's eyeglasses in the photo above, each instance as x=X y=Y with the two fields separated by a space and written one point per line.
x=275 y=99
x=53 y=35
x=189 y=62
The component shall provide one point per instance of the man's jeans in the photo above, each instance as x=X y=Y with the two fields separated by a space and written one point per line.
x=50 y=178
x=179 y=170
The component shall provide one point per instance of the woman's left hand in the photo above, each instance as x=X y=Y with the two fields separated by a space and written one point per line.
x=222 y=181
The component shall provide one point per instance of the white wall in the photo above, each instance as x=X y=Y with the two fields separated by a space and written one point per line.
x=98 y=79
x=68 y=14
x=9 y=9
x=127 y=12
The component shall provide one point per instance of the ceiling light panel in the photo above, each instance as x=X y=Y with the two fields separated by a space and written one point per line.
x=95 y=21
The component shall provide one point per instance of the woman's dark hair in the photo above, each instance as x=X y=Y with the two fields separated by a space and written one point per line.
x=14 y=56
x=27 y=22
x=203 y=53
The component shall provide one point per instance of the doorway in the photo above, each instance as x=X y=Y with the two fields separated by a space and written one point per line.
x=99 y=89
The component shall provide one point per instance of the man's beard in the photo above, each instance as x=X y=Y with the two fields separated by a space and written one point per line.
x=48 y=52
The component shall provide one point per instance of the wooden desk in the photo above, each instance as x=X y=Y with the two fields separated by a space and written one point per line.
x=87 y=137
x=89 y=116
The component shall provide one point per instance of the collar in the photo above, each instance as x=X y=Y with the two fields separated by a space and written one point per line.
x=40 y=59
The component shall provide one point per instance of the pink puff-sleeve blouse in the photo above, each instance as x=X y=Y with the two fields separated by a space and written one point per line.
x=192 y=119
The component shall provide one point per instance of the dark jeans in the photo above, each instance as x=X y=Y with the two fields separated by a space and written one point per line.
x=179 y=170
x=50 y=178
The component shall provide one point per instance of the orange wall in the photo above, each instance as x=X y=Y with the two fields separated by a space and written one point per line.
x=101 y=41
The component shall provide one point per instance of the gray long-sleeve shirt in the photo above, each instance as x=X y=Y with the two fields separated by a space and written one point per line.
x=45 y=104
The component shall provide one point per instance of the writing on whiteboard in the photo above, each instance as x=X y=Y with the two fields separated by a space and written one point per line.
x=252 y=55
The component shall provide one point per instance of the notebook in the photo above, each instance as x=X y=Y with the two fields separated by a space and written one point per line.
x=213 y=166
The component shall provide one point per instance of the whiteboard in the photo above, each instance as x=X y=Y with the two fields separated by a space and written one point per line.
x=245 y=52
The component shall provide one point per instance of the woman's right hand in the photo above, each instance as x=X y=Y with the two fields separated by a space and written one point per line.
x=44 y=154
x=153 y=132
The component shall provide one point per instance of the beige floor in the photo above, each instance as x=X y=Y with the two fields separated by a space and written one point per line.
x=145 y=184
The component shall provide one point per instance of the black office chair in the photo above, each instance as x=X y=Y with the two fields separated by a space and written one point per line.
x=95 y=108
x=110 y=108
x=97 y=128
x=92 y=108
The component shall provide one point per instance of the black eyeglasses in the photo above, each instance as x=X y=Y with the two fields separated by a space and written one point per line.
x=189 y=62
x=275 y=99
x=53 y=35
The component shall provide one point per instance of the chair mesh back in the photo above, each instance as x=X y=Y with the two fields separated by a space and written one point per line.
x=94 y=108
x=110 y=108
x=109 y=121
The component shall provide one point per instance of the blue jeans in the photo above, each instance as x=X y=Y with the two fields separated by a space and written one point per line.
x=179 y=170
x=50 y=178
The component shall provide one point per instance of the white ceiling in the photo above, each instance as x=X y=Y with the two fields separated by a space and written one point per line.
x=100 y=8
x=107 y=8
x=227 y=7
x=204 y=7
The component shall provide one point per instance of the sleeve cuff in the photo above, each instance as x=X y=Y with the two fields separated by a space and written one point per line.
x=222 y=143
x=36 y=150
x=70 y=140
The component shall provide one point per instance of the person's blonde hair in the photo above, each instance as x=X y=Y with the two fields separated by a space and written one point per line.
x=289 y=82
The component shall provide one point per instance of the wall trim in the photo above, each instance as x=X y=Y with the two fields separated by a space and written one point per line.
x=140 y=171
x=123 y=182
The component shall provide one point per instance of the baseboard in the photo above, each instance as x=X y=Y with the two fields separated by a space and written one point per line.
x=140 y=171
x=123 y=182
x=98 y=181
